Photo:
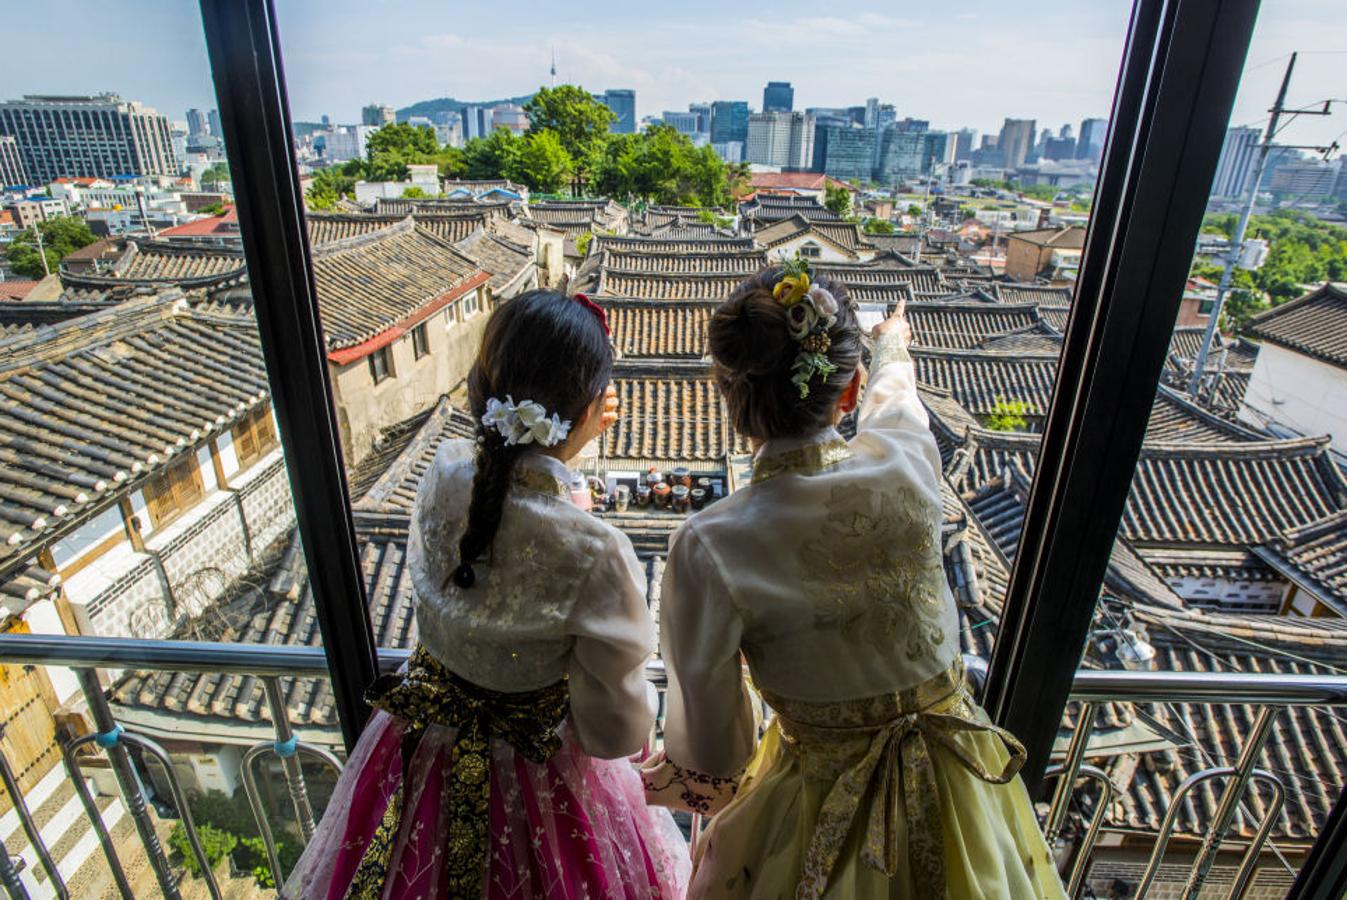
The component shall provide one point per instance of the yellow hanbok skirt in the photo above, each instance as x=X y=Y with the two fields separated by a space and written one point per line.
x=906 y=795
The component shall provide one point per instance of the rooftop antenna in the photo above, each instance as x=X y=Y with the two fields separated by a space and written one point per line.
x=554 y=66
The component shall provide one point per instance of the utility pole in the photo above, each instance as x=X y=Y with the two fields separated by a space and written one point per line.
x=37 y=231
x=1237 y=240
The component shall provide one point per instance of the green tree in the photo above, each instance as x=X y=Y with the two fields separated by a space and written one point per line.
x=491 y=156
x=413 y=193
x=878 y=226
x=214 y=209
x=61 y=235
x=542 y=163
x=1008 y=415
x=217 y=174
x=967 y=212
x=335 y=182
x=914 y=210
x=579 y=121
x=660 y=165
x=582 y=243
x=837 y=199
x=215 y=843
x=399 y=137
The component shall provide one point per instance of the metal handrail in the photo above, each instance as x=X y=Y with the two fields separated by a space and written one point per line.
x=270 y=662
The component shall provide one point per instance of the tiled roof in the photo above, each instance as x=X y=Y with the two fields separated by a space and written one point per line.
x=662 y=215
x=845 y=236
x=393 y=492
x=1315 y=324
x=923 y=279
x=978 y=378
x=765 y=209
x=1054 y=316
x=1034 y=339
x=1308 y=746
x=895 y=243
x=324 y=228
x=14 y=289
x=165 y=263
x=282 y=611
x=678 y=229
x=91 y=407
x=1031 y=293
x=1186 y=342
x=658 y=329
x=652 y=286
x=964 y=325
x=368 y=284
x=505 y=260
x=450 y=228
x=1315 y=556
x=670 y=415
x=742 y=263
x=810 y=181
x=225 y=223
x=1244 y=494
x=435 y=207
x=1069 y=237
x=1175 y=418
x=625 y=245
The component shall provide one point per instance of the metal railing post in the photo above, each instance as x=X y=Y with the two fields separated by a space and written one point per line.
x=9 y=878
x=1080 y=862
x=72 y=769
x=109 y=738
x=1066 y=785
x=1229 y=803
x=286 y=749
x=30 y=830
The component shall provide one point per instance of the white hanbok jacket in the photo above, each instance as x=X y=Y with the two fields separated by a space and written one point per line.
x=562 y=595
x=826 y=572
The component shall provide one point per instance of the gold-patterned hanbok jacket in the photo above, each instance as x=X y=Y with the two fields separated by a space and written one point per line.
x=562 y=595
x=826 y=572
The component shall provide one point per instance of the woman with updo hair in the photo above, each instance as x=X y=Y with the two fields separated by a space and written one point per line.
x=496 y=763
x=878 y=775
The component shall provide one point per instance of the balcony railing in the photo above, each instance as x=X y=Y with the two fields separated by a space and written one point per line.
x=1270 y=693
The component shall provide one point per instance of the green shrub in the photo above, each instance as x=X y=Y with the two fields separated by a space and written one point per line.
x=215 y=842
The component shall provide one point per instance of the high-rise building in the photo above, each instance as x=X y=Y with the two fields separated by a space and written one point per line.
x=623 y=104
x=11 y=166
x=196 y=123
x=682 y=122
x=848 y=152
x=1059 y=147
x=377 y=115
x=1090 y=144
x=97 y=137
x=1234 y=171
x=1016 y=141
x=508 y=116
x=783 y=139
x=1065 y=131
x=213 y=119
x=964 y=141
x=871 y=113
x=910 y=154
x=729 y=121
x=476 y=122
x=778 y=96
x=911 y=124
x=1305 y=180
x=703 y=113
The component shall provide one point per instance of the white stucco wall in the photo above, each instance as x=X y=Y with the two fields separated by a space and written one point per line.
x=1299 y=393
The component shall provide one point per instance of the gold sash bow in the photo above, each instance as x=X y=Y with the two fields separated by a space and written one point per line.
x=429 y=694
x=896 y=765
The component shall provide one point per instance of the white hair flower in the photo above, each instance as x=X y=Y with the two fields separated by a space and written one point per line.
x=526 y=422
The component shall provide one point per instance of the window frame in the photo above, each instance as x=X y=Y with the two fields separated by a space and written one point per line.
x=420 y=341
x=1181 y=67
x=383 y=355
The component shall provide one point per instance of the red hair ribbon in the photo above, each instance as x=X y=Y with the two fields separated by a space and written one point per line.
x=596 y=310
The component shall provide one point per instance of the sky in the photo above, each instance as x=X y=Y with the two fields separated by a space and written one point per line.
x=969 y=64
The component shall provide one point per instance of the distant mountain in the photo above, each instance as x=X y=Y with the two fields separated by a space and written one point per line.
x=434 y=109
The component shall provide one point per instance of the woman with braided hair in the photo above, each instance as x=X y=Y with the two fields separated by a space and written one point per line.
x=879 y=776
x=496 y=763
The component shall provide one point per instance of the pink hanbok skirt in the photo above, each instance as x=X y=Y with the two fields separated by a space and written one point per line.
x=571 y=827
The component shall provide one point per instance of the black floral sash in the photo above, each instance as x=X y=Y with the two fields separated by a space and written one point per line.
x=429 y=694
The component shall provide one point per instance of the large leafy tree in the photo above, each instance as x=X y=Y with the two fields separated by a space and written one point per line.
x=61 y=235
x=331 y=184
x=660 y=165
x=492 y=156
x=542 y=163
x=837 y=199
x=400 y=137
x=579 y=121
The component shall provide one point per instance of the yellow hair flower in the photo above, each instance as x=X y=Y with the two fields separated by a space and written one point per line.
x=791 y=289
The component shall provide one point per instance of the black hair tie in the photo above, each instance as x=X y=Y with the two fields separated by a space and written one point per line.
x=464 y=576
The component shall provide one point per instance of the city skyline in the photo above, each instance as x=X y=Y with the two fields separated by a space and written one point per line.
x=355 y=54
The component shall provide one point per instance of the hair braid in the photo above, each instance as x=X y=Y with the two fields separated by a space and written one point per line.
x=490 y=484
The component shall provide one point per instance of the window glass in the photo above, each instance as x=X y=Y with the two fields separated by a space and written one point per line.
x=1230 y=549
x=143 y=489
